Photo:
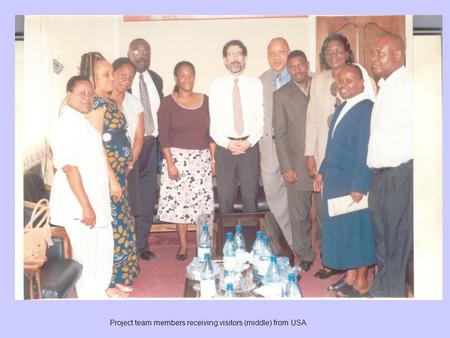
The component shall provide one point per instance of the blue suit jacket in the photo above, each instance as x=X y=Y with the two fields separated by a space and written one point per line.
x=346 y=154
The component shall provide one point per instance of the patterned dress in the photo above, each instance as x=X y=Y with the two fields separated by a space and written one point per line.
x=118 y=150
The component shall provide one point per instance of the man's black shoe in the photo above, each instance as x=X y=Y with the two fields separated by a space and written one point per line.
x=147 y=255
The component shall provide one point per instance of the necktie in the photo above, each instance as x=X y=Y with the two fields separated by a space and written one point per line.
x=149 y=125
x=237 y=109
x=278 y=81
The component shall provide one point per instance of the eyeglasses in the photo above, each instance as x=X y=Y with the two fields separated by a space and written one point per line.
x=334 y=51
x=239 y=53
x=138 y=52
x=333 y=92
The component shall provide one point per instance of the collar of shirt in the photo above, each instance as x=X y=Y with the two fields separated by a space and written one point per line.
x=73 y=113
x=283 y=78
x=304 y=90
x=136 y=79
x=232 y=77
x=349 y=104
x=396 y=75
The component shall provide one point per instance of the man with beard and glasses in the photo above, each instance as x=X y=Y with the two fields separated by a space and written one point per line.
x=237 y=118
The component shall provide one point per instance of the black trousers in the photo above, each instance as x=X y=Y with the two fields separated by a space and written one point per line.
x=391 y=208
x=147 y=164
x=232 y=170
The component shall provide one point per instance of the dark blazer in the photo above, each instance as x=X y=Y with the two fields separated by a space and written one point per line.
x=346 y=154
x=289 y=123
x=157 y=80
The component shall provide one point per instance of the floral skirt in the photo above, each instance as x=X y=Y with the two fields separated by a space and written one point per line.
x=182 y=201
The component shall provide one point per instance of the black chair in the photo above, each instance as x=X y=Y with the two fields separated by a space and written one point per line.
x=56 y=278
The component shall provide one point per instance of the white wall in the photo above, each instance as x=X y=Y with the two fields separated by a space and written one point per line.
x=428 y=236
x=201 y=42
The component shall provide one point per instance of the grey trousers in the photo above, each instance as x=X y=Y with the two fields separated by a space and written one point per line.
x=319 y=217
x=232 y=170
x=276 y=196
x=299 y=210
x=147 y=163
x=391 y=209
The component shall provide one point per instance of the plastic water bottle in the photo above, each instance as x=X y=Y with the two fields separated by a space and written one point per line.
x=230 y=290
x=207 y=281
x=241 y=251
x=229 y=259
x=273 y=277
x=239 y=238
x=292 y=290
x=264 y=257
x=204 y=245
x=229 y=253
x=256 y=250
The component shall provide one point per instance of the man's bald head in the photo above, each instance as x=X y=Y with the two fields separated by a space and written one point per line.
x=388 y=54
x=278 y=41
x=138 y=42
x=277 y=53
x=140 y=54
x=393 y=40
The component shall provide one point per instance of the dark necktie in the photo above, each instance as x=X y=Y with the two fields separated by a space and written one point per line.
x=149 y=125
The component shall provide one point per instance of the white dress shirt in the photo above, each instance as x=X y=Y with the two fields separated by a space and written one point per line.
x=391 y=128
x=132 y=107
x=75 y=142
x=221 y=109
x=153 y=95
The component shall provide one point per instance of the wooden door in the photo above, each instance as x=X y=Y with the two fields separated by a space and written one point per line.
x=360 y=32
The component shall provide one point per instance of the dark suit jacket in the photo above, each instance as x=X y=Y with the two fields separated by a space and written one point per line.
x=346 y=154
x=157 y=80
x=289 y=123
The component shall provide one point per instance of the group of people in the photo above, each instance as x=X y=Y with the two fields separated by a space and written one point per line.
x=311 y=138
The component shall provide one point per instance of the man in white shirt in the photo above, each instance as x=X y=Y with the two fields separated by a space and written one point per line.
x=147 y=87
x=237 y=118
x=272 y=179
x=390 y=155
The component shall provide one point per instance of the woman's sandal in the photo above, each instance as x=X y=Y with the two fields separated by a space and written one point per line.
x=124 y=288
x=351 y=292
x=181 y=256
x=116 y=293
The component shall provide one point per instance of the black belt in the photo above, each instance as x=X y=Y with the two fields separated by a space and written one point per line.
x=149 y=137
x=380 y=170
x=238 y=138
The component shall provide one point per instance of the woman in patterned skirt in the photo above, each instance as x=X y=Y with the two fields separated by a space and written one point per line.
x=186 y=179
x=111 y=123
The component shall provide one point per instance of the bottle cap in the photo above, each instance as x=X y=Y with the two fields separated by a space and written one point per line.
x=207 y=256
x=273 y=259
x=205 y=227
x=266 y=239
x=291 y=277
x=229 y=235
x=238 y=228
x=259 y=234
x=230 y=287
